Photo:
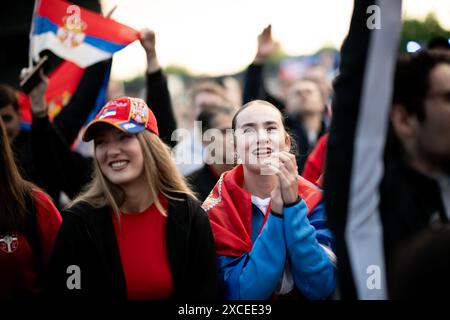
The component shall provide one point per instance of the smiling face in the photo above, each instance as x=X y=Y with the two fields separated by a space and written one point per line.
x=119 y=156
x=259 y=133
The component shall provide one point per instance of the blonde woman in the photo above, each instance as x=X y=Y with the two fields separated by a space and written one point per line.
x=137 y=232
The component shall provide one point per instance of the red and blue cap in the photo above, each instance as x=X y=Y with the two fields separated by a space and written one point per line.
x=126 y=114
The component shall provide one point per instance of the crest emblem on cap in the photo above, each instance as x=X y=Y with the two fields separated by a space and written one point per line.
x=139 y=111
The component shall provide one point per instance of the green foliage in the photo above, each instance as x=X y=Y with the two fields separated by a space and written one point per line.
x=421 y=31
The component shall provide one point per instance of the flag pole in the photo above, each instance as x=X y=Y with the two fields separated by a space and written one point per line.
x=111 y=12
x=31 y=44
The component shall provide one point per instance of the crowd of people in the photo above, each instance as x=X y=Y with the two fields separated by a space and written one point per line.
x=331 y=191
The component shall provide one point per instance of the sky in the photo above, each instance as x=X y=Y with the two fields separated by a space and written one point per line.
x=217 y=37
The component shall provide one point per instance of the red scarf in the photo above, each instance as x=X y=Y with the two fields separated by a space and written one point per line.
x=229 y=208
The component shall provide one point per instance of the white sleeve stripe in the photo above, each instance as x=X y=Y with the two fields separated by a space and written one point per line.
x=330 y=254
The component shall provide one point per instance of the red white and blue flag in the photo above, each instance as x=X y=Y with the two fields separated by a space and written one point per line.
x=76 y=34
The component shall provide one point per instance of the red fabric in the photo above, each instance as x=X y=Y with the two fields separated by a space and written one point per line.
x=231 y=217
x=141 y=238
x=18 y=275
x=315 y=164
x=63 y=82
x=319 y=181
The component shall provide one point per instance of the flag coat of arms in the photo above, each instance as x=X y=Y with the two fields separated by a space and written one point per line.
x=76 y=34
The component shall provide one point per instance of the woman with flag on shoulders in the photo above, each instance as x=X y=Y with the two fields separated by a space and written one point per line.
x=268 y=222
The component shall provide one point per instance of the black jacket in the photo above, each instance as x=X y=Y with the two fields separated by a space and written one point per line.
x=43 y=154
x=87 y=239
x=202 y=182
x=406 y=201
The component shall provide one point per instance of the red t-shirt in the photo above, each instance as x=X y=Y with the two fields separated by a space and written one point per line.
x=18 y=275
x=141 y=238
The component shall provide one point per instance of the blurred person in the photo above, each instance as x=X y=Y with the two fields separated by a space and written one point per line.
x=420 y=271
x=29 y=145
x=305 y=102
x=388 y=155
x=268 y=222
x=439 y=44
x=415 y=190
x=233 y=90
x=188 y=153
x=136 y=232
x=218 y=149
x=29 y=223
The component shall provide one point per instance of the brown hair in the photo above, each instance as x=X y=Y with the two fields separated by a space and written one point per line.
x=412 y=79
x=13 y=189
x=210 y=87
x=8 y=97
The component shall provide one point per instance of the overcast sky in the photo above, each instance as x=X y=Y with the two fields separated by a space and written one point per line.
x=219 y=36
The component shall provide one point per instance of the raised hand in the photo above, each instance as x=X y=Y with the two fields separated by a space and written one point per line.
x=266 y=45
x=287 y=175
x=37 y=95
x=277 y=199
x=148 y=42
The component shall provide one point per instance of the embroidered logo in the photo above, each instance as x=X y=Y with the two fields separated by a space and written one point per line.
x=210 y=202
x=139 y=111
x=9 y=243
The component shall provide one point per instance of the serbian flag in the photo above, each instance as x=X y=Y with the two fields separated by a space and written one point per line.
x=76 y=34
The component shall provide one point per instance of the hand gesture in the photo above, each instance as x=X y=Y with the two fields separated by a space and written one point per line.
x=277 y=199
x=148 y=42
x=266 y=45
x=286 y=172
x=37 y=95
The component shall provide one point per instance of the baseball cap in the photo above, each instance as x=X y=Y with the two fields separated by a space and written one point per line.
x=126 y=114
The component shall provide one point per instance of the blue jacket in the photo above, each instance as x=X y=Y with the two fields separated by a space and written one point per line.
x=305 y=241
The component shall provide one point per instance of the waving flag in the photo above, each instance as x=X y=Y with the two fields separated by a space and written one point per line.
x=76 y=34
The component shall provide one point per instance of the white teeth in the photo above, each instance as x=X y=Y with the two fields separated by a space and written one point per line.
x=118 y=164
x=262 y=152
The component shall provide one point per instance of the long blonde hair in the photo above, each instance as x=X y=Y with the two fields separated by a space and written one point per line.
x=160 y=171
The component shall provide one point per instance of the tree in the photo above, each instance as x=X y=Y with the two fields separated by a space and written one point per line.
x=421 y=31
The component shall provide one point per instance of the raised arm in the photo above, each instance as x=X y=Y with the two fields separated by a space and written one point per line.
x=73 y=116
x=158 y=96
x=356 y=142
x=254 y=75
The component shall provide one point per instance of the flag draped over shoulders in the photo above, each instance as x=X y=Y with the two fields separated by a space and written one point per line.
x=229 y=208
